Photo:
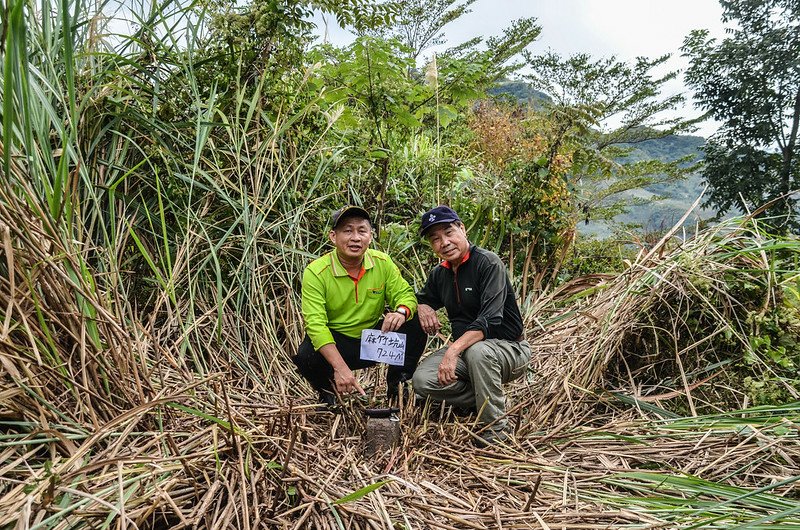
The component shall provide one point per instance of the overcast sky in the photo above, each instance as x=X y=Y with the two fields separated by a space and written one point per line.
x=624 y=28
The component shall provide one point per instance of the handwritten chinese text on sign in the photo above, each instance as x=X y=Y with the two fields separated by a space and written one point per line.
x=389 y=348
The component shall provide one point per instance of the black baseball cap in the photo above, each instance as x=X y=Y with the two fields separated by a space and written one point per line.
x=438 y=215
x=349 y=211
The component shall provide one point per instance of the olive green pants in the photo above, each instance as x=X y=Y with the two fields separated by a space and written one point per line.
x=482 y=370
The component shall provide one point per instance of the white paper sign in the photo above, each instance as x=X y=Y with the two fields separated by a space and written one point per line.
x=389 y=347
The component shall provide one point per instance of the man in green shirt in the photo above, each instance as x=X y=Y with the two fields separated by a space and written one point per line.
x=348 y=290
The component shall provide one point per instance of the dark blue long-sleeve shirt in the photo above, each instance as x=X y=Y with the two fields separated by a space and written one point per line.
x=477 y=296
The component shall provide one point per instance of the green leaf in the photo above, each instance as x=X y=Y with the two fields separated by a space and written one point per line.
x=200 y=414
x=446 y=115
x=378 y=154
x=362 y=492
x=406 y=118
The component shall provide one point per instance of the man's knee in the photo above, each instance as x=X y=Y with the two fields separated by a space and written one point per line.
x=420 y=383
x=304 y=355
x=480 y=354
x=424 y=380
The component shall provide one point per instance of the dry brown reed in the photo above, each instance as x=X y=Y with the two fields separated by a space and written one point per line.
x=663 y=329
x=106 y=422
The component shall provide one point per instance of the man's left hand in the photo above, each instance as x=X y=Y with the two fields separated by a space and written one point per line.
x=392 y=321
x=447 y=369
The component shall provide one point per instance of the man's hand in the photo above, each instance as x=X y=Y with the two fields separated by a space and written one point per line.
x=428 y=320
x=447 y=369
x=392 y=321
x=345 y=382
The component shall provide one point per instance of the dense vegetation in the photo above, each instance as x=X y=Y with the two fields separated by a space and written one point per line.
x=750 y=82
x=163 y=188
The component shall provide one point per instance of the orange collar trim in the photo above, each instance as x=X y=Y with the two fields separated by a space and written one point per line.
x=448 y=265
x=360 y=274
x=339 y=269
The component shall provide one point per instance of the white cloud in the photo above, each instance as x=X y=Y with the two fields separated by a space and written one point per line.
x=623 y=28
x=630 y=28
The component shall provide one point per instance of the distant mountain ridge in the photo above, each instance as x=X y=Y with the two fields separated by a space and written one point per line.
x=520 y=90
x=678 y=196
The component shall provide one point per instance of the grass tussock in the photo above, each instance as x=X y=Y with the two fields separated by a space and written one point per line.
x=686 y=324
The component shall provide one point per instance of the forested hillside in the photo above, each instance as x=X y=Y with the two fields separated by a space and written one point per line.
x=662 y=203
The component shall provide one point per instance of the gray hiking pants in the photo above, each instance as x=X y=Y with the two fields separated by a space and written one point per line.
x=481 y=370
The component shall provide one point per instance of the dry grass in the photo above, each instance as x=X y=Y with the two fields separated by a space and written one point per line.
x=668 y=325
x=107 y=422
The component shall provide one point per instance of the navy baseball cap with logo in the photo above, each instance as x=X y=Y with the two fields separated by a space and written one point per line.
x=349 y=211
x=435 y=216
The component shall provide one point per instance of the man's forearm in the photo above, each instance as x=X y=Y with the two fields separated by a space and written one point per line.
x=447 y=368
x=331 y=354
x=465 y=341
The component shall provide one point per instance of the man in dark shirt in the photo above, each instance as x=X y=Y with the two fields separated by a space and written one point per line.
x=489 y=349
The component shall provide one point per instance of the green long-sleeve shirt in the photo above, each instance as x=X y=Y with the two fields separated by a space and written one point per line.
x=332 y=300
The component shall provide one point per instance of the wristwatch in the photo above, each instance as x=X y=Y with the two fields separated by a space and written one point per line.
x=403 y=311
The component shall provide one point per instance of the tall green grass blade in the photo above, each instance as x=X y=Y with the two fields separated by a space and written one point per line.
x=783 y=520
x=644 y=405
x=359 y=493
x=146 y=255
x=15 y=90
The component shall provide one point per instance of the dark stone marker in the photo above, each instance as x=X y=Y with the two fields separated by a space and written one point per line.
x=382 y=433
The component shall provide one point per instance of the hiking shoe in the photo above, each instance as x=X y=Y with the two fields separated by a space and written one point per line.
x=464 y=412
x=393 y=396
x=490 y=437
x=327 y=401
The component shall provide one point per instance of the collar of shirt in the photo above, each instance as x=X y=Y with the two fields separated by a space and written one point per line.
x=448 y=265
x=338 y=269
